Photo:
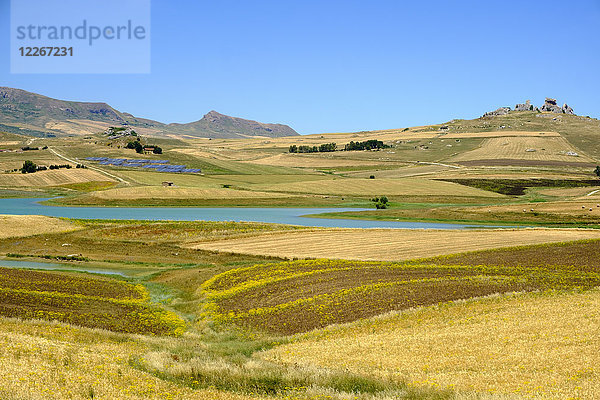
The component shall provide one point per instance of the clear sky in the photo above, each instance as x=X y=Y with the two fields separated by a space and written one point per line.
x=332 y=66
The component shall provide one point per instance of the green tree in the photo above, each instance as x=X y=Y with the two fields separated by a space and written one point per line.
x=28 y=167
x=597 y=170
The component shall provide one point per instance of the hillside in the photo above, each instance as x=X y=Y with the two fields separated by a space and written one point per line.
x=36 y=115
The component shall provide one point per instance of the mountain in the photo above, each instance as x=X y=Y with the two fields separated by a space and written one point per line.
x=33 y=114
x=216 y=125
x=20 y=106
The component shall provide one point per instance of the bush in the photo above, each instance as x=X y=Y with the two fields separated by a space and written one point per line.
x=372 y=177
x=380 y=202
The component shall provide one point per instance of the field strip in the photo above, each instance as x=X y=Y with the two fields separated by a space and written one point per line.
x=27 y=225
x=502 y=133
x=51 y=178
x=524 y=148
x=160 y=192
x=389 y=244
x=89 y=167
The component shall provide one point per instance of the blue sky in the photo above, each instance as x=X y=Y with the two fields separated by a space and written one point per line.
x=332 y=66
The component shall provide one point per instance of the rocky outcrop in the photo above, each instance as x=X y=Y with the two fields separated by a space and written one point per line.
x=567 y=110
x=550 y=105
x=527 y=106
x=500 y=111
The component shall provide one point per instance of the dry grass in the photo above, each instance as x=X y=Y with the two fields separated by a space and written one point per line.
x=389 y=244
x=529 y=345
x=51 y=177
x=53 y=361
x=546 y=149
x=27 y=225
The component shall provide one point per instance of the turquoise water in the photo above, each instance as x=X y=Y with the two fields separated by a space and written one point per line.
x=292 y=216
x=53 y=266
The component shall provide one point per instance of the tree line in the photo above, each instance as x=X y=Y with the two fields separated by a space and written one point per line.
x=328 y=147
x=324 y=148
x=29 y=167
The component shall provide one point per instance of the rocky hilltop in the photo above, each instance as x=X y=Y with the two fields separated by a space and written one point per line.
x=42 y=114
x=549 y=105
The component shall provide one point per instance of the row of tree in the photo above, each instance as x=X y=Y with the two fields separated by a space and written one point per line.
x=328 y=147
x=366 y=145
x=28 y=148
x=324 y=148
x=29 y=167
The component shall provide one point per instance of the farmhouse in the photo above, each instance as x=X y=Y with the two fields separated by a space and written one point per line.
x=149 y=150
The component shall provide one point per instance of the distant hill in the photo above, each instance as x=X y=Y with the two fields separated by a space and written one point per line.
x=217 y=125
x=33 y=114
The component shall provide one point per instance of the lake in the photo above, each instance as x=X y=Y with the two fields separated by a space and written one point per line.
x=54 y=266
x=292 y=216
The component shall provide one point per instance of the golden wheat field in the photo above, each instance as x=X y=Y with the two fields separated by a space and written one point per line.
x=45 y=360
x=51 y=178
x=524 y=148
x=378 y=187
x=581 y=206
x=388 y=244
x=27 y=225
x=530 y=346
x=502 y=133
x=310 y=161
x=149 y=192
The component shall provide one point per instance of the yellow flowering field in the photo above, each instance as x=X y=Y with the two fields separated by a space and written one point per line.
x=84 y=300
x=298 y=296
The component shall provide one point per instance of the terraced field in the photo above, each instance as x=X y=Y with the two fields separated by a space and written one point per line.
x=386 y=244
x=84 y=301
x=299 y=296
